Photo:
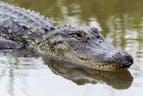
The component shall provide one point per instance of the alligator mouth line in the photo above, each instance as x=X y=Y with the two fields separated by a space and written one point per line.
x=98 y=65
x=105 y=66
x=109 y=66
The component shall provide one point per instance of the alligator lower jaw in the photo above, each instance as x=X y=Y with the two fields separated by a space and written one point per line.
x=86 y=63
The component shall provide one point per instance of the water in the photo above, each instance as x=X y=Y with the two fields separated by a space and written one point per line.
x=121 y=22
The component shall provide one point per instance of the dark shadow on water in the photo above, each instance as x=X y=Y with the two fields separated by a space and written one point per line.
x=81 y=76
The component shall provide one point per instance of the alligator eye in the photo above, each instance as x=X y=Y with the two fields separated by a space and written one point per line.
x=88 y=38
x=79 y=35
x=97 y=36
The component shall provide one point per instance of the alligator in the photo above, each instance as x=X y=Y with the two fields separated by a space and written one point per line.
x=85 y=46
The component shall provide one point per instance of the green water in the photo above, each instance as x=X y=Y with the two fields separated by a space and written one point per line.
x=121 y=22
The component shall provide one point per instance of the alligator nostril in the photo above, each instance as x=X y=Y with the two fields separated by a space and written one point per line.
x=123 y=59
x=94 y=29
x=129 y=59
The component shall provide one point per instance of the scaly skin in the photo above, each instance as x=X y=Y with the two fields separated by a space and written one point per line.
x=26 y=27
x=80 y=45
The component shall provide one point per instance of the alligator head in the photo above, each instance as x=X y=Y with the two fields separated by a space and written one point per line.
x=85 y=47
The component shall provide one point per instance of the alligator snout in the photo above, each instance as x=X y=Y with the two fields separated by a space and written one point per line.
x=123 y=59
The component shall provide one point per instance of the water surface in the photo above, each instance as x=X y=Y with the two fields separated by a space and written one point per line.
x=121 y=22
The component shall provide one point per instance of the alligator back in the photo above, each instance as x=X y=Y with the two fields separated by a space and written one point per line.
x=22 y=25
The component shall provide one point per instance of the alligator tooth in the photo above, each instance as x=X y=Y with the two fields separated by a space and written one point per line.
x=98 y=66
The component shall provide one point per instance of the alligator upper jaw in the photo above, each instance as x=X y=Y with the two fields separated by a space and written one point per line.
x=105 y=64
x=102 y=66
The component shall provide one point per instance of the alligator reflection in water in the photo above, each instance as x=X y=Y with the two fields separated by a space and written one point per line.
x=81 y=76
